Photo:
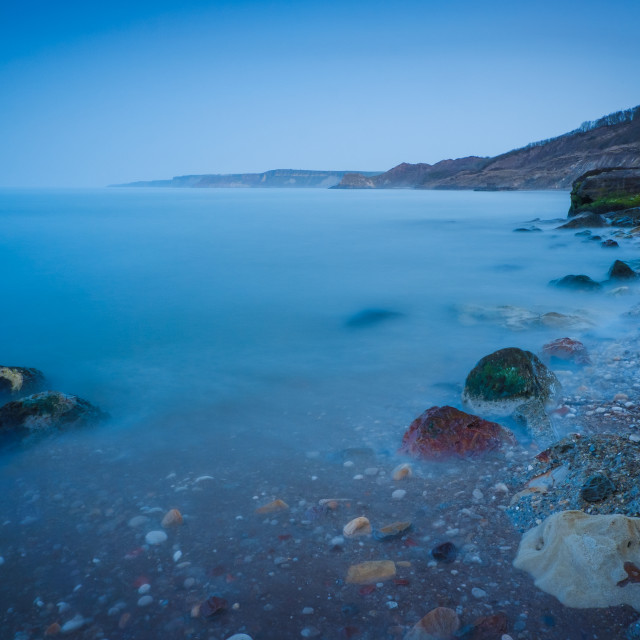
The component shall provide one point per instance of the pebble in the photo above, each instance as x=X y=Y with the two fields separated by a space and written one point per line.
x=391 y=604
x=402 y=471
x=445 y=552
x=348 y=464
x=145 y=601
x=172 y=518
x=310 y=632
x=138 y=521
x=371 y=471
x=307 y=611
x=155 y=537
x=634 y=437
x=177 y=555
x=144 y=588
x=398 y=494
x=477 y=494
x=370 y=572
x=273 y=507
x=239 y=636
x=358 y=476
x=357 y=527
x=476 y=592
x=75 y=623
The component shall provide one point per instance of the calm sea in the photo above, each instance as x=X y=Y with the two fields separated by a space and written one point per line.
x=227 y=334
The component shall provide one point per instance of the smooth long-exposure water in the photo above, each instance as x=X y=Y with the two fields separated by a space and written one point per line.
x=230 y=334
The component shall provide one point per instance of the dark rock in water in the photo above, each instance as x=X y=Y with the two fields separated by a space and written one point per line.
x=48 y=410
x=445 y=432
x=566 y=349
x=596 y=238
x=507 y=378
x=625 y=218
x=446 y=552
x=20 y=381
x=371 y=317
x=213 y=605
x=584 y=220
x=609 y=244
x=621 y=271
x=597 y=488
x=527 y=229
x=583 y=234
x=605 y=190
x=579 y=283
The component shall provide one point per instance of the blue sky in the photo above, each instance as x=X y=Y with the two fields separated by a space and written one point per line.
x=99 y=93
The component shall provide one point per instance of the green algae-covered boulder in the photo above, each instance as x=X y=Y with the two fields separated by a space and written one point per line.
x=604 y=191
x=45 y=411
x=506 y=379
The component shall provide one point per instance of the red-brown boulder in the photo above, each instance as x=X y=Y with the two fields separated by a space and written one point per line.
x=566 y=349
x=445 y=432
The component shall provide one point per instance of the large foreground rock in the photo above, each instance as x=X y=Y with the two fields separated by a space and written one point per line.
x=605 y=190
x=506 y=379
x=445 y=432
x=19 y=380
x=47 y=410
x=584 y=560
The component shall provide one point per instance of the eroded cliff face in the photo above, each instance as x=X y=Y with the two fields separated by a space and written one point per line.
x=612 y=141
x=604 y=191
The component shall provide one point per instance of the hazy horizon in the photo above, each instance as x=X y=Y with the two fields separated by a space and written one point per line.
x=108 y=94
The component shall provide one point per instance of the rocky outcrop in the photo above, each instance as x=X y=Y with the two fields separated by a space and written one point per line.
x=584 y=560
x=16 y=381
x=577 y=282
x=45 y=411
x=621 y=271
x=606 y=190
x=445 y=432
x=584 y=221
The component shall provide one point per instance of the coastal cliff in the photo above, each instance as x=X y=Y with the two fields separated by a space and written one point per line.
x=611 y=141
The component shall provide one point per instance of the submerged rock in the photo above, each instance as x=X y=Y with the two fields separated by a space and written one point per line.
x=392 y=531
x=518 y=318
x=273 y=507
x=439 y=624
x=579 y=283
x=20 y=380
x=584 y=220
x=584 y=560
x=507 y=378
x=445 y=432
x=48 y=410
x=446 y=552
x=609 y=244
x=369 y=572
x=567 y=350
x=357 y=527
x=371 y=317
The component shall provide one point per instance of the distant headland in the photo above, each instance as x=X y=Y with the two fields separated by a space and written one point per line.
x=610 y=141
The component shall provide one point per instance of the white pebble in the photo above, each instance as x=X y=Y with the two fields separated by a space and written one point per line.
x=348 y=464
x=371 y=471
x=337 y=541
x=391 y=604
x=156 y=537
x=144 y=588
x=359 y=476
x=478 y=593
x=145 y=601
x=477 y=494
x=239 y=636
x=138 y=521
x=177 y=555
x=307 y=611
x=634 y=437
x=75 y=623
x=398 y=494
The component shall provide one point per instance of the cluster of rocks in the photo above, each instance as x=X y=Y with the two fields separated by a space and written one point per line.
x=31 y=409
x=619 y=272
